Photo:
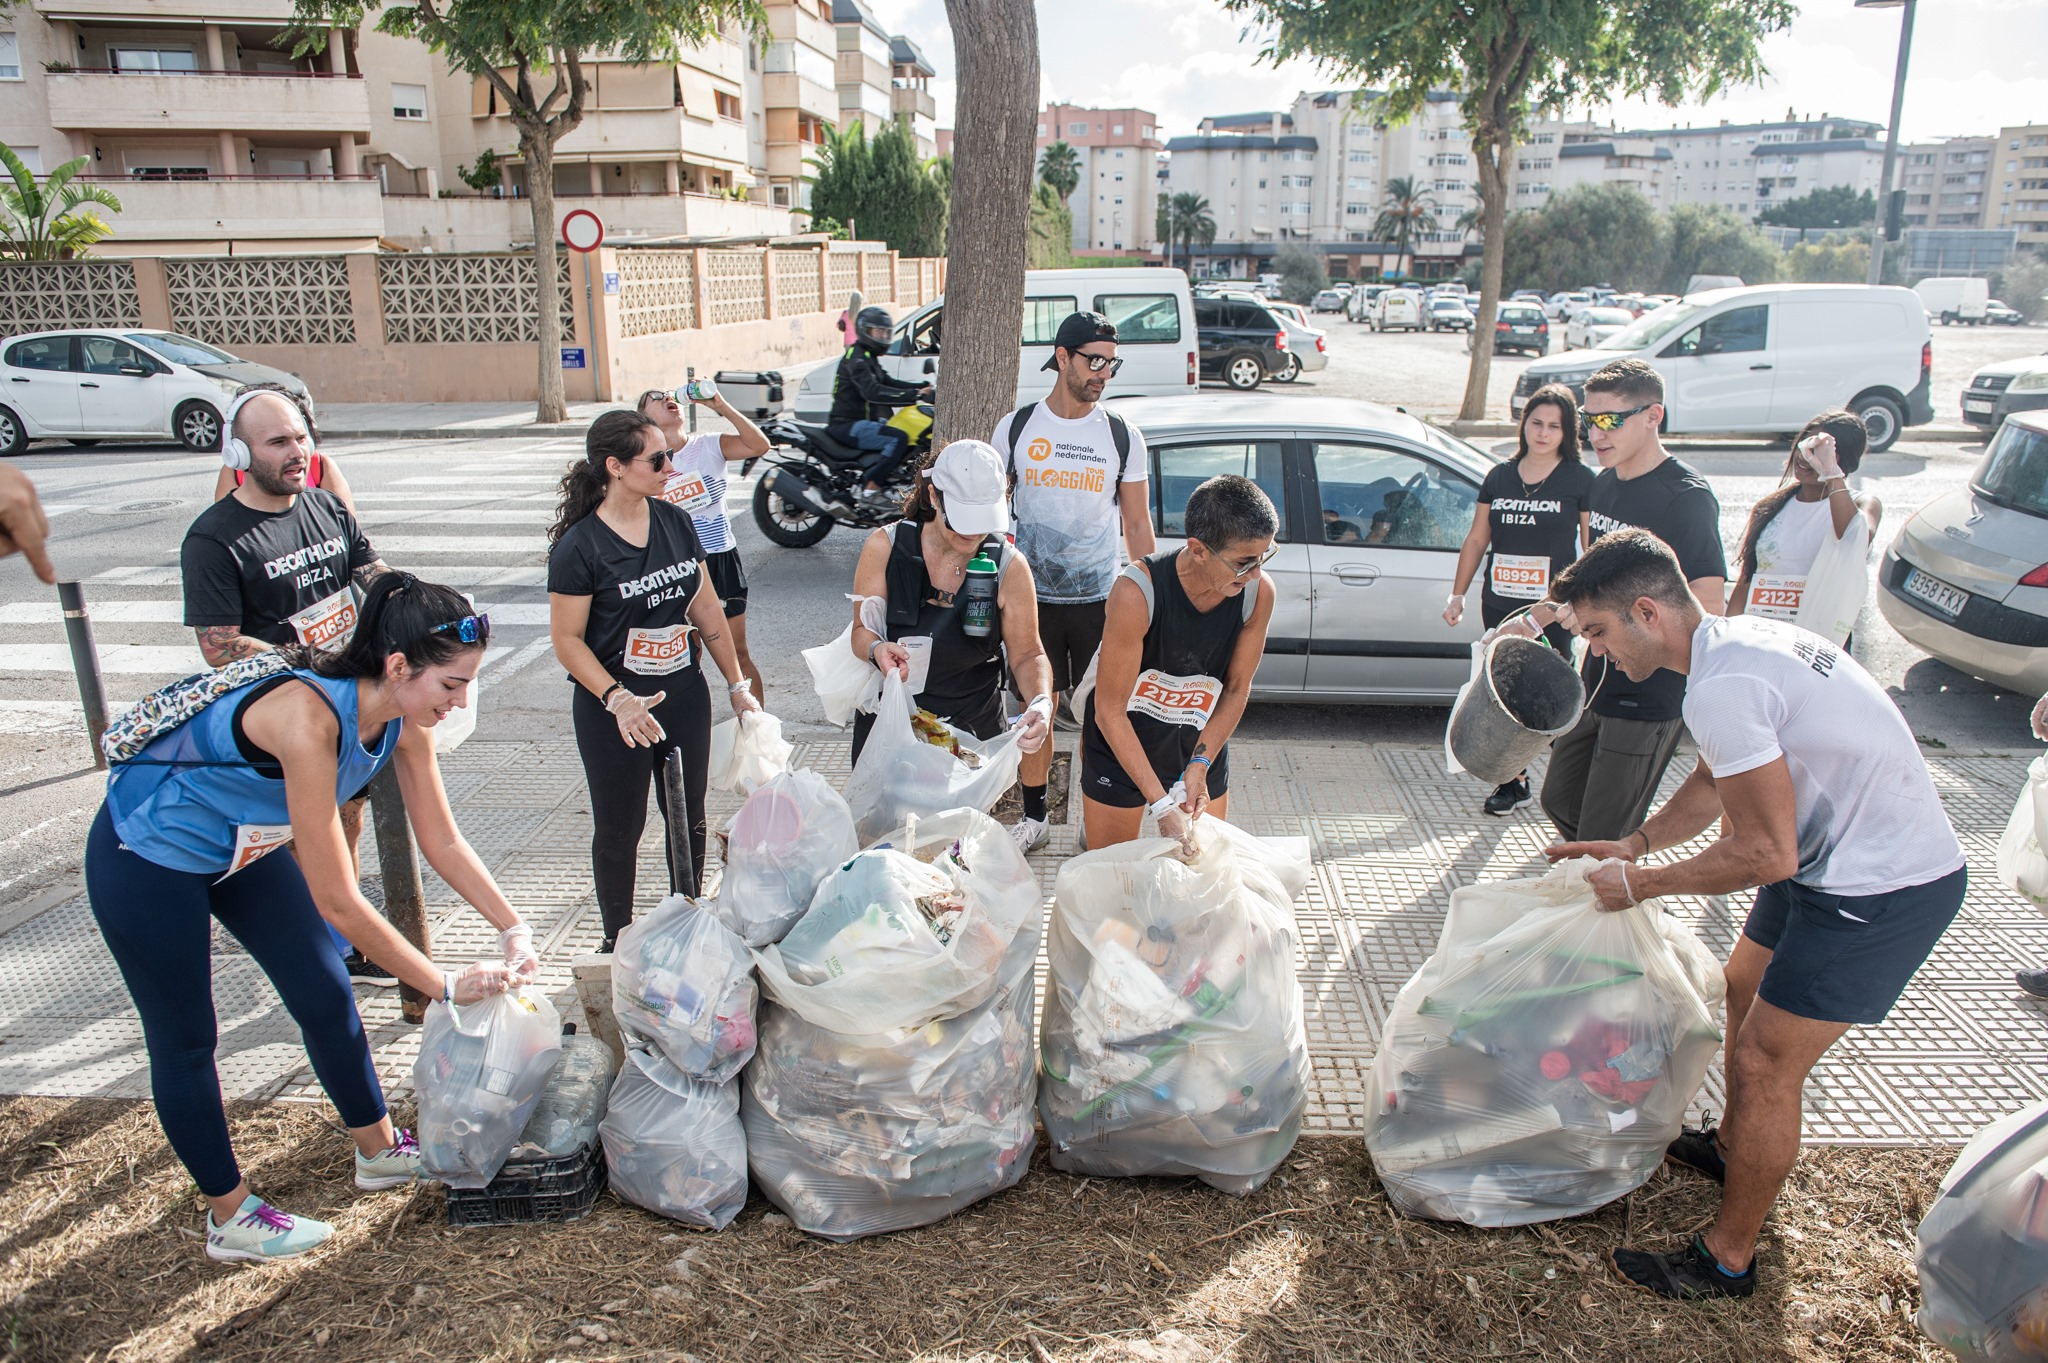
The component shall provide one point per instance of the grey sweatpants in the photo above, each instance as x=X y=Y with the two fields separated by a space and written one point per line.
x=1604 y=774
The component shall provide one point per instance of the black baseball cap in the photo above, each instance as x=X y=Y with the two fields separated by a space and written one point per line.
x=1078 y=330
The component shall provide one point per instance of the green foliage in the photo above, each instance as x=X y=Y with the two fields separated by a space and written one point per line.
x=1709 y=239
x=1059 y=165
x=2021 y=285
x=1405 y=212
x=1301 y=273
x=1185 y=218
x=1834 y=261
x=1833 y=206
x=483 y=176
x=1590 y=233
x=828 y=227
x=1051 y=243
x=882 y=188
x=53 y=219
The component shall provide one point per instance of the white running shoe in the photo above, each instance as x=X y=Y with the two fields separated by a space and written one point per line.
x=261 y=1233
x=394 y=1168
x=1031 y=834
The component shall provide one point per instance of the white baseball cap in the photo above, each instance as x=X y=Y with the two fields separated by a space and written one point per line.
x=970 y=474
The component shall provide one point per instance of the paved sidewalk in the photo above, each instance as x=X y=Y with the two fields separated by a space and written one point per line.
x=1393 y=834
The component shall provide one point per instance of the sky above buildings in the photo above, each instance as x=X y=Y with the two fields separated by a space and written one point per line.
x=1977 y=65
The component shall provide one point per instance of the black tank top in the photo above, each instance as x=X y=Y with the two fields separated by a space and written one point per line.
x=965 y=680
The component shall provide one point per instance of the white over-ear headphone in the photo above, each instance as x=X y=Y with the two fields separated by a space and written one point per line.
x=234 y=451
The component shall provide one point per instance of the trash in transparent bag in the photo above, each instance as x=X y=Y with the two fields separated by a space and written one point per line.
x=684 y=981
x=572 y=1102
x=1173 y=1040
x=2022 y=860
x=747 y=751
x=480 y=1073
x=673 y=1144
x=845 y=683
x=900 y=776
x=1983 y=1251
x=1539 y=1063
x=786 y=838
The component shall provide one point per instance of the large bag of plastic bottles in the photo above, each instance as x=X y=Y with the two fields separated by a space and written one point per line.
x=479 y=1075
x=787 y=837
x=1542 y=1059
x=1172 y=1037
x=896 y=1072
x=1983 y=1256
x=673 y=1144
x=571 y=1103
x=684 y=981
x=916 y=765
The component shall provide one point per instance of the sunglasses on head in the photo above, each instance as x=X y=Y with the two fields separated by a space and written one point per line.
x=1097 y=363
x=1608 y=421
x=471 y=629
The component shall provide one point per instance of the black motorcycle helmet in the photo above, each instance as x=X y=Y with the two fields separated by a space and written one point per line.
x=874 y=329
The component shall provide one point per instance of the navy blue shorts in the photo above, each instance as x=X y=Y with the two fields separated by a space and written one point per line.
x=1847 y=958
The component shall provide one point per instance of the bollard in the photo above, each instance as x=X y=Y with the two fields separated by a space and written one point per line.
x=85 y=661
x=681 y=865
x=398 y=860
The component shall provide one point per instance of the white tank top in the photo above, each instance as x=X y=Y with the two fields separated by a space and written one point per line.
x=1785 y=554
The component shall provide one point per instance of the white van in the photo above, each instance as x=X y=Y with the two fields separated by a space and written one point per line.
x=1153 y=310
x=1763 y=359
x=1956 y=299
x=1396 y=309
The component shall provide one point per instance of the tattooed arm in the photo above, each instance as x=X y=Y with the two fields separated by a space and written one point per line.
x=368 y=573
x=223 y=644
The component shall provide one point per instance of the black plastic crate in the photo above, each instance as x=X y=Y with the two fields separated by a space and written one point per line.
x=530 y=1191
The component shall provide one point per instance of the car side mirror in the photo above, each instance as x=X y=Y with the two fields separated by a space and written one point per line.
x=931 y=366
x=137 y=371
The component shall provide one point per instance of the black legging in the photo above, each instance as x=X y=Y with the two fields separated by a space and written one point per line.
x=618 y=774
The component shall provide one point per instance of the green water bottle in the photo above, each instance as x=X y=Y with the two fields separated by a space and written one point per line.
x=978 y=595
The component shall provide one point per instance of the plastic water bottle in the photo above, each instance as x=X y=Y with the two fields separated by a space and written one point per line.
x=979 y=595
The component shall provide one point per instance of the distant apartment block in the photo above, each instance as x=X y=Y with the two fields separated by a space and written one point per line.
x=1747 y=167
x=1560 y=156
x=1116 y=204
x=2021 y=184
x=882 y=77
x=910 y=96
x=1948 y=183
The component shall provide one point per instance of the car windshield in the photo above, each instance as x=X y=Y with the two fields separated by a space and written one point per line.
x=1652 y=327
x=181 y=349
x=1607 y=316
x=2014 y=473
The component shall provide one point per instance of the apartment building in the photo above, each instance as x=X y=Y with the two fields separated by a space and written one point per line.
x=866 y=95
x=1560 y=156
x=800 y=95
x=1115 y=205
x=910 y=77
x=2020 y=157
x=1747 y=167
x=1947 y=183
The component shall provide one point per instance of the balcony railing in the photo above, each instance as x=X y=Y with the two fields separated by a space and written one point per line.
x=203 y=71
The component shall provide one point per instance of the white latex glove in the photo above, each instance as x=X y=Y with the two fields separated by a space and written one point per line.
x=1176 y=824
x=1818 y=453
x=1034 y=726
x=1454 y=611
x=517 y=944
x=2039 y=719
x=477 y=981
x=635 y=714
x=892 y=659
x=744 y=701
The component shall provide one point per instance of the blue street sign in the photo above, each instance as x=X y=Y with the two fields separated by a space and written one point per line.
x=572 y=357
x=611 y=281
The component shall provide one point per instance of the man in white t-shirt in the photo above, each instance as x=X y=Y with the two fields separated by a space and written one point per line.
x=1829 y=808
x=1079 y=478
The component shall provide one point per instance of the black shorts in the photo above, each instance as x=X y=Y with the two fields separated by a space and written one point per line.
x=1071 y=633
x=1103 y=779
x=729 y=580
x=1847 y=958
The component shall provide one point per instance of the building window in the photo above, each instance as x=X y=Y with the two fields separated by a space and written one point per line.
x=810 y=128
x=1145 y=133
x=1360 y=158
x=408 y=101
x=1041 y=130
x=728 y=105
x=1077 y=130
x=153 y=59
x=1116 y=129
x=10 y=57
x=1357 y=210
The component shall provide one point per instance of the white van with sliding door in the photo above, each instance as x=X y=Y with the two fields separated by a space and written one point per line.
x=1761 y=360
x=1153 y=310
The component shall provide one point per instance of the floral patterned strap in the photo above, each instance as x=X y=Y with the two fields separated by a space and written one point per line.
x=171 y=707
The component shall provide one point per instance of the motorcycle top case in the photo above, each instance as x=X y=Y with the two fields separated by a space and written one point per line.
x=757 y=392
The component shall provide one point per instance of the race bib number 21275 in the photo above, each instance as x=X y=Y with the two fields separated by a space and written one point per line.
x=1176 y=700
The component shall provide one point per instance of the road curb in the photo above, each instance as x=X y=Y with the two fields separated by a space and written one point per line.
x=566 y=430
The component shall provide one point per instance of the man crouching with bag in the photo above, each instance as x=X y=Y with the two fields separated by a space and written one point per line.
x=1831 y=816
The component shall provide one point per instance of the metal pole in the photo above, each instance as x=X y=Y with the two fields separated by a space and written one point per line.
x=1891 y=142
x=85 y=662
x=682 y=866
x=404 y=899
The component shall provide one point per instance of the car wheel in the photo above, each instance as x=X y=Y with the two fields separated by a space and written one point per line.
x=83 y=444
x=1291 y=372
x=13 y=435
x=1244 y=372
x=1883 y=419
x=197 y=427
x=789 y=524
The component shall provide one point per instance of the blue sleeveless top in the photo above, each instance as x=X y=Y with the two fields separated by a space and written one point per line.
x=191 y=801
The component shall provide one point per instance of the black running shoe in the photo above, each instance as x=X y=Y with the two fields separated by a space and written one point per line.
x=2034 y=982
x=362 y=970
x=1687 y=1275
x=1507 y=799
x=607 y=946
x=1698 y=1148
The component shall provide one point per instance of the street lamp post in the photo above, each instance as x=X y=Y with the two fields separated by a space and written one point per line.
x=1891 y=132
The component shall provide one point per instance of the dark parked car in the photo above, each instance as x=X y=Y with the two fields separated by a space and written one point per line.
x=1521 y=326
x=1242 y=343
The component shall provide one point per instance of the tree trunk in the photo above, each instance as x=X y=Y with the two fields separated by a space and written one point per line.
x=539 y=151
x=995 y=43
x=1491 y=155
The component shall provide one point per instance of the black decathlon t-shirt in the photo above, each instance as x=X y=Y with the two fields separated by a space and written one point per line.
x=257 y=570
x=639 y=597
x=1674 y=502
x=1534 y=530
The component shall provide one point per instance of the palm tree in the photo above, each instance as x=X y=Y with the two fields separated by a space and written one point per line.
x=1407 y=212
x=1059 y=165
x=46 y=221
x=1192 y=222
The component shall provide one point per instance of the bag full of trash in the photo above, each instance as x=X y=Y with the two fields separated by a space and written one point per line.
x=788 y=836
x=1983 y=1256
x=682 y=980
x=747 y=751
x=480 y=1073
x=572 y=1102
x=916 y=765
x=673 y=1143
x=1542 y=1059
x=2023 y=847
x=1172 y=1036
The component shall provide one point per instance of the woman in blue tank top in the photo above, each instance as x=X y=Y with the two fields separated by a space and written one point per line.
x=185 y=837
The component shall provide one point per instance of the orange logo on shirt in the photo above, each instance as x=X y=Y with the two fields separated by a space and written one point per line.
x=1039 y=449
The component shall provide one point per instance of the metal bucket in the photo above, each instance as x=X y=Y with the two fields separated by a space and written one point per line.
x=1525 y=696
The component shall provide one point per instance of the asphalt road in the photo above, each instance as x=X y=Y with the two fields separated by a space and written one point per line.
x=474 y=513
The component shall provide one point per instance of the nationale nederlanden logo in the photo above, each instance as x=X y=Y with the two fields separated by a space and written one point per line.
x=1040 y=449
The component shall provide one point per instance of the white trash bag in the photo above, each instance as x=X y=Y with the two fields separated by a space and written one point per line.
x=1539 y=1063
x=2022 y=860
x=479 y=1075
x=901 y=775
x=789 y=835
x=747 y=751
x=1172 y=1037
x=845 y=683
x=683 y=981
x=1983 y=1256
x=674 y=1144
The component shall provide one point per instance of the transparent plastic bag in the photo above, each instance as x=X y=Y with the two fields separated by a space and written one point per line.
x=906 y=932
x=2022 y=862
x=673 y=1144
x=571 y=1103
x=479 y=1075
x=788 y=836
x=857 y=1135
x=1542 y=1059
x=1172 y=1036
x=747 y=751
x=682 y=980
x=1983 y=1255
x=900 y=776
x=845 y=683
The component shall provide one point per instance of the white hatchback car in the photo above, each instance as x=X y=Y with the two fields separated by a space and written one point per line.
x=89 y=386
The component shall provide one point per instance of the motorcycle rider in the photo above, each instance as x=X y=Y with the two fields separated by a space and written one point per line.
x=865 y=396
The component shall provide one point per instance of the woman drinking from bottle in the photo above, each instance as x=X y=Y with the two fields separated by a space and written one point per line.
x=193 y=810
x=1789 y=528
x=630 y=610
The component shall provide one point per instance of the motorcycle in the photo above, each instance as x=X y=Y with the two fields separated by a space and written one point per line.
x=812 y=482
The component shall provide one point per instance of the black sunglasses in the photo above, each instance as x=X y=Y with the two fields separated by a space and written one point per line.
x=658 y=460
x=471 y=629
x=1097 y=363
x=1608 y=421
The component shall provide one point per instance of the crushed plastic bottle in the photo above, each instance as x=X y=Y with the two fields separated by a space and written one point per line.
x=573 y=1103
